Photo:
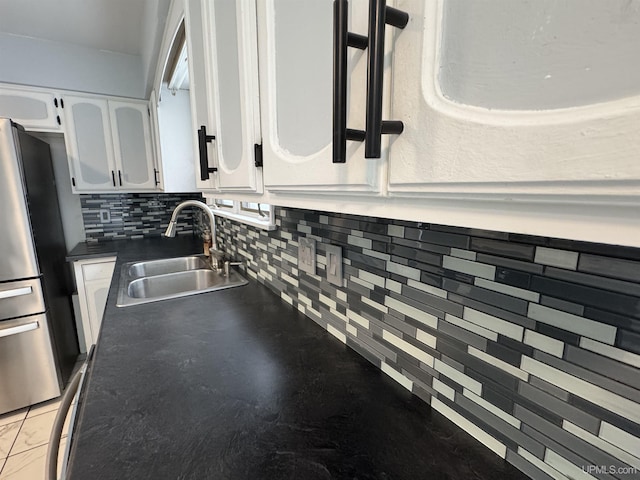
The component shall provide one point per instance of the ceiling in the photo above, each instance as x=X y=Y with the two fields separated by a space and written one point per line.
x=112 y=25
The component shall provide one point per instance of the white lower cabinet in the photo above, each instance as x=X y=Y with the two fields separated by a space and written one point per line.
x=93 y=278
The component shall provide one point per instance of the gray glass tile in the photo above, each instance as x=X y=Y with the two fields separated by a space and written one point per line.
x=507 y=430
x=559 y=407
x=619 y=320
x=434 y=301
x=604 y=366
x=428 y=247
x=513 y=277
x=610 y=267
x=438 y=238
x=563 y=305
x=589 y=376
x=604 y=283
x=614 y=302
x=629 y=341
x=504 y=249
x=492 y=310
x=463 y=335
x=589 y=454
x=527 y=467
x=415 y=254
x=499 y=300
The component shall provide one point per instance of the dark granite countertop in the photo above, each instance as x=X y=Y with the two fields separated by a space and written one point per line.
x=237 y=384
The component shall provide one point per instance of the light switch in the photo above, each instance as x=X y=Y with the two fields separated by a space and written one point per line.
x=334 y=264
x=307 y=255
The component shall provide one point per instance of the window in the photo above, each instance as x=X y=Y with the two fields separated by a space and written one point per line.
x=259 y=215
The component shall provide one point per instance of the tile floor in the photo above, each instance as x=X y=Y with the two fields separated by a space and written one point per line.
x=24 y=439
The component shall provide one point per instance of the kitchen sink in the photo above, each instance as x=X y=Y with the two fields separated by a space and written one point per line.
x=167 y=265
x=155 y=280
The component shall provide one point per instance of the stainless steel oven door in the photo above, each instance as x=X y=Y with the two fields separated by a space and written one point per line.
x=27 y=366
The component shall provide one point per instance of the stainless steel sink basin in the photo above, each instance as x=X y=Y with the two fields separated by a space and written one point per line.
x=167 y=265
x=155 y=280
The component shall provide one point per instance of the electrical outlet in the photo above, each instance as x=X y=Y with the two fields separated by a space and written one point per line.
x=307 y=255
x=334 y=265
x=105 y=216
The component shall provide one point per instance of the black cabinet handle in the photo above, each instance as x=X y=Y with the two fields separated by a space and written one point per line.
x=203 y=139
x=120 y=177
x=379 y=16
x=155 y=176
x=342 y=39
x=113 y=177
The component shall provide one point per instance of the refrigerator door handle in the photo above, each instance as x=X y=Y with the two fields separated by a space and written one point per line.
x=27 y=327
x=15 y=292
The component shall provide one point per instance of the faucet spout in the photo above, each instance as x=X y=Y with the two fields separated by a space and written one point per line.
x=171 y=229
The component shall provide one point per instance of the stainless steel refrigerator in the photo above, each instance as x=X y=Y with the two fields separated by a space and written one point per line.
x=38 y=340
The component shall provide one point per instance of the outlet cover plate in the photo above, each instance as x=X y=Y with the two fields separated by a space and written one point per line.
x=334 y=265
x=307 y=255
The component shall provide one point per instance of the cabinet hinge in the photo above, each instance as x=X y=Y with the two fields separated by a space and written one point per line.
x=73 y=181
x=257 y=152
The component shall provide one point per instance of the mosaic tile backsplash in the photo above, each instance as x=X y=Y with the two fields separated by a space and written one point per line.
x=530 y=344
x=135 y=215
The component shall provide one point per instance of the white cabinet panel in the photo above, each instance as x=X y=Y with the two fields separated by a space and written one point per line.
x=450 y=149
x=34 y=110
x=200 y=109
x=93 y=278
x=89 y=144
x=296 y=72
x=132 y=144
x=231 y=54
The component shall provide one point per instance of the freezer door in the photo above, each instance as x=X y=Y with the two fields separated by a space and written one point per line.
x=18 y=258
x=21 y=298
x=27 y=368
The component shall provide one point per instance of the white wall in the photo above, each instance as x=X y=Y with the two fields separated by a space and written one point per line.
x=174 y=124
x=35 y=62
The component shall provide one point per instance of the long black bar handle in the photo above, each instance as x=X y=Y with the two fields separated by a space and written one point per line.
x=379 y=16
x=342 y=39
x=203 y=139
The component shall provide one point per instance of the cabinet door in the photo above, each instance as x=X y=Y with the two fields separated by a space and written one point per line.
x=490 y=111
x=36 y=111
x=130 y=126
x=200 y=108
x=89 y=144
x=296 y=84
x=231 y=54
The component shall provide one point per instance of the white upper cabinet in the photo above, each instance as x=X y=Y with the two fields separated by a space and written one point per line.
x=512 y=99
x=108 y=144
x=200 y=107
x=35 y=110
x=231 y=53
x=89 y=144
x=296 y=85
x=131 y=132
